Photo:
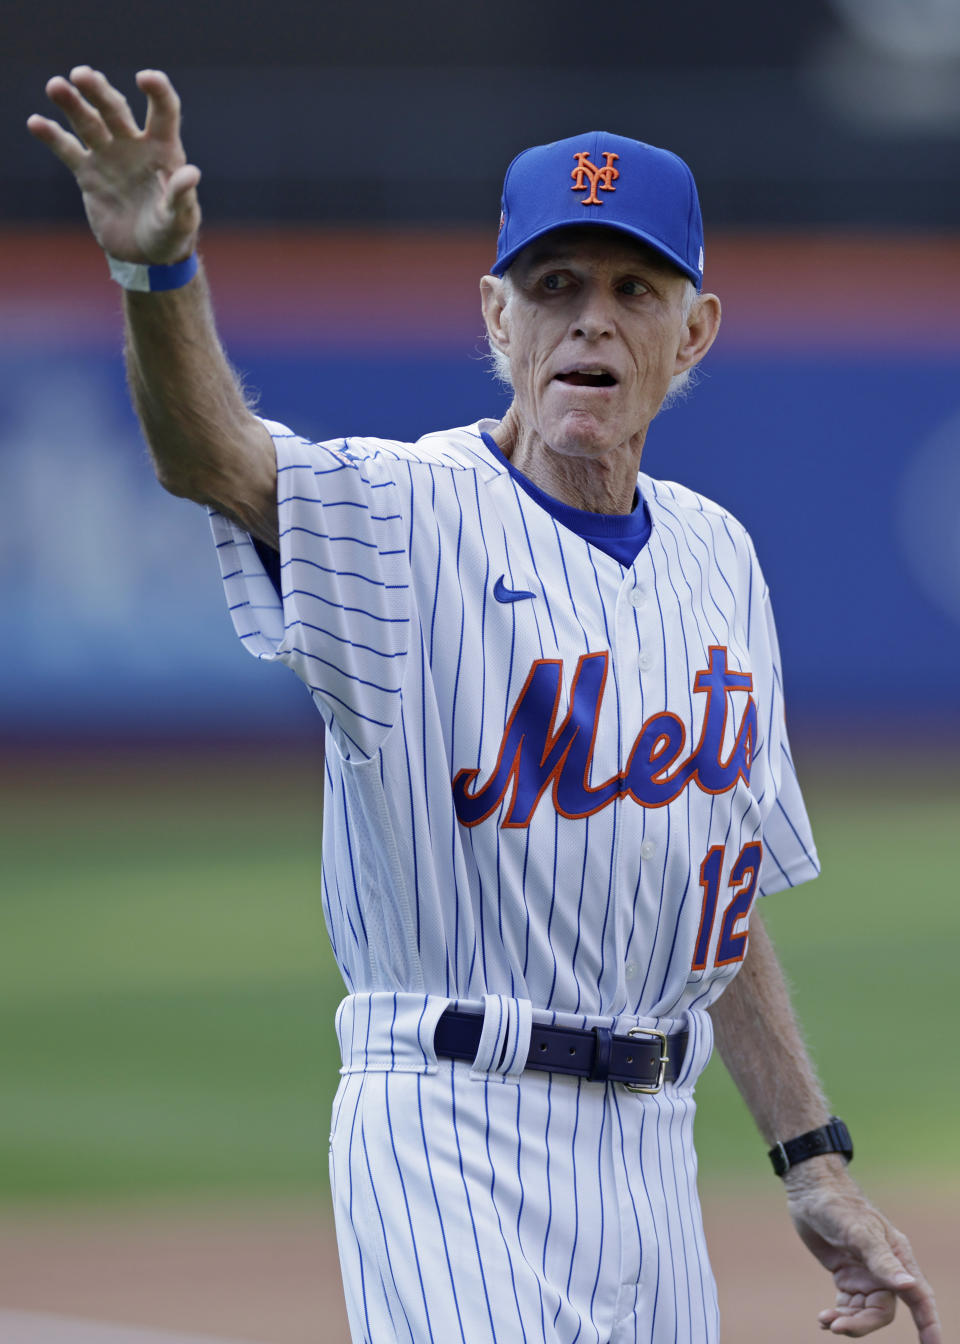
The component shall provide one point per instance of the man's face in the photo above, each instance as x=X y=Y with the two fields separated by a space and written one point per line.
x=594 y=328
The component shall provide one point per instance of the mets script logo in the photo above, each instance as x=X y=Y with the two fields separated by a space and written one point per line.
x=587 y=173
x=535 y=753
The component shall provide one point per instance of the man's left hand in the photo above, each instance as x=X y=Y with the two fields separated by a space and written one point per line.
x=871 y=1262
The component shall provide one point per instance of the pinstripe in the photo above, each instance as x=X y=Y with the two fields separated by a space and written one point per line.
x=436 y=578
x=533 y=561
x=353 y=611
x=663 y=1152
x=325 y=694
x=684 y=1264
x=615 y=858
x=353 y=871
x=697 y=1257
x=681 y=900
x=519 y=1142
x=566 y=580
x=389 y=557
x=655 y=1247
x=793 y=830
x=483 y=702
x=548 y=1221
x=699 y=612
x=466 y=1192
x=326 y=536
x=374 y=1217
x=340 y=573
x=632 y=1197
x=583 y=884
x=614 y=846
x=343 y=672
x=351 y=1166
x=574 y=1238
x=654 y=941
x=453 y=726
x=553 y=906
x=436 y=1202
x=414 y=855
x=406 y=1205
x=600 y=1186
x=351 y=643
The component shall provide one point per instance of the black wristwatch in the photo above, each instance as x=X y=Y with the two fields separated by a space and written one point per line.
x=833 y=1137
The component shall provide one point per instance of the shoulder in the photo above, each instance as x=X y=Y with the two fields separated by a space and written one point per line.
x=670 y=499
x=679 y=509
x=459 y=449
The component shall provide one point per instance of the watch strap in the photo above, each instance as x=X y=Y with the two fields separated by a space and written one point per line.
x=833 y=1137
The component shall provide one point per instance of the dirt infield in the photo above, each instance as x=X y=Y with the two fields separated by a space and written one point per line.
x=269 y=1273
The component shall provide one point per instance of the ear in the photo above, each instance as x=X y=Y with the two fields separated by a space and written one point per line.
x=493 y=300
x=699 y=332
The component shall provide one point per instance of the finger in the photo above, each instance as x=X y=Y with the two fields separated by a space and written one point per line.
x=182 y=182
x=859 y=1313
x=918 y=1295
x=163 y=105
x=887 y=1267
x=923 y=1309
x=860 y=1318
x=67 y=147
x=862 y=1323
x=85 y=120
x=180 y=204
x=108 y=101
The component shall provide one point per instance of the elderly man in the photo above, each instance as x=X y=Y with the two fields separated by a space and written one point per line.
x=557 y=767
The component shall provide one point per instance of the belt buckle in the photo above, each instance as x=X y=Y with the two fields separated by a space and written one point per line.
x=663 y=1061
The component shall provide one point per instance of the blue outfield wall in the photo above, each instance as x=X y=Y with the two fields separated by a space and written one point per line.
x=844 y=463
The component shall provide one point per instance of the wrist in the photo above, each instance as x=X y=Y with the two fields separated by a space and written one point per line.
x=149 y=279
x=814 y=1145
x=828 y=1169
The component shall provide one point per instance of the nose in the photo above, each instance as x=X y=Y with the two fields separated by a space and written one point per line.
x=594 y=318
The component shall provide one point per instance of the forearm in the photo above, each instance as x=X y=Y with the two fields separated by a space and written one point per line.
x=205 y=443
x=140 y=197
x=760 y=1043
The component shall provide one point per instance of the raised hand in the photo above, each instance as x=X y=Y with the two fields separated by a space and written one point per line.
x=139 y=192
x=871 y=1262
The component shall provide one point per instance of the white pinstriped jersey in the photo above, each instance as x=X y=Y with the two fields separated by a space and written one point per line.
x=548 y=775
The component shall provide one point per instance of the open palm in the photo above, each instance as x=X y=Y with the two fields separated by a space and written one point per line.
x=139 y=192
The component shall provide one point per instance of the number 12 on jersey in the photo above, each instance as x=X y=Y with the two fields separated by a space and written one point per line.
x=732 y=942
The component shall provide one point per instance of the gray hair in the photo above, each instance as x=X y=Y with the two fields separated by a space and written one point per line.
x=681 y=384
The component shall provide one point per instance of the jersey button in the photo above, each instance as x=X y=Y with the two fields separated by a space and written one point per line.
x=645 y=662
x=638 y=597
x=647 y=849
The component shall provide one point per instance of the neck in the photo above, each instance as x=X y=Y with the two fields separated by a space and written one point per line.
x=604 y=484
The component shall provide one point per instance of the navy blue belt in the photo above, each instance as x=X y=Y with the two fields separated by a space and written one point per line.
x=642 y=1059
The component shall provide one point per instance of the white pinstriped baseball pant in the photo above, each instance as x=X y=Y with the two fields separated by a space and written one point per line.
x=492 y=1207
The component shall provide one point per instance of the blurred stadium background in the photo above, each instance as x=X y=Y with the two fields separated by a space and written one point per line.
x=167 y=993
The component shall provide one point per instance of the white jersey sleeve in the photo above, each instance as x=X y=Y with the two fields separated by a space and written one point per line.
x=789 y=854
x=342 y=619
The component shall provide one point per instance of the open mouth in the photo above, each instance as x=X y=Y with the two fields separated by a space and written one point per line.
x=587 y=378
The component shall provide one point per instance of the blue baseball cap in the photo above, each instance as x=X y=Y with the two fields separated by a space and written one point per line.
x=608 y=181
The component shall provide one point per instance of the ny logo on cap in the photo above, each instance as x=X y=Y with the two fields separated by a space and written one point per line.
x=587 y=172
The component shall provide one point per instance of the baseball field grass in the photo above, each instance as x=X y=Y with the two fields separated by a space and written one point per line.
x=167 y=993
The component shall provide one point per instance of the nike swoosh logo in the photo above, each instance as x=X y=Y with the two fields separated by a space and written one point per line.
x=504 y=594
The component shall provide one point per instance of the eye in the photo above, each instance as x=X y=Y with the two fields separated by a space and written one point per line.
x=634 y=287
x=554 y=281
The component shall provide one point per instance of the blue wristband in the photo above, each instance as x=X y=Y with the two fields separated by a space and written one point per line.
x=151 y=279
